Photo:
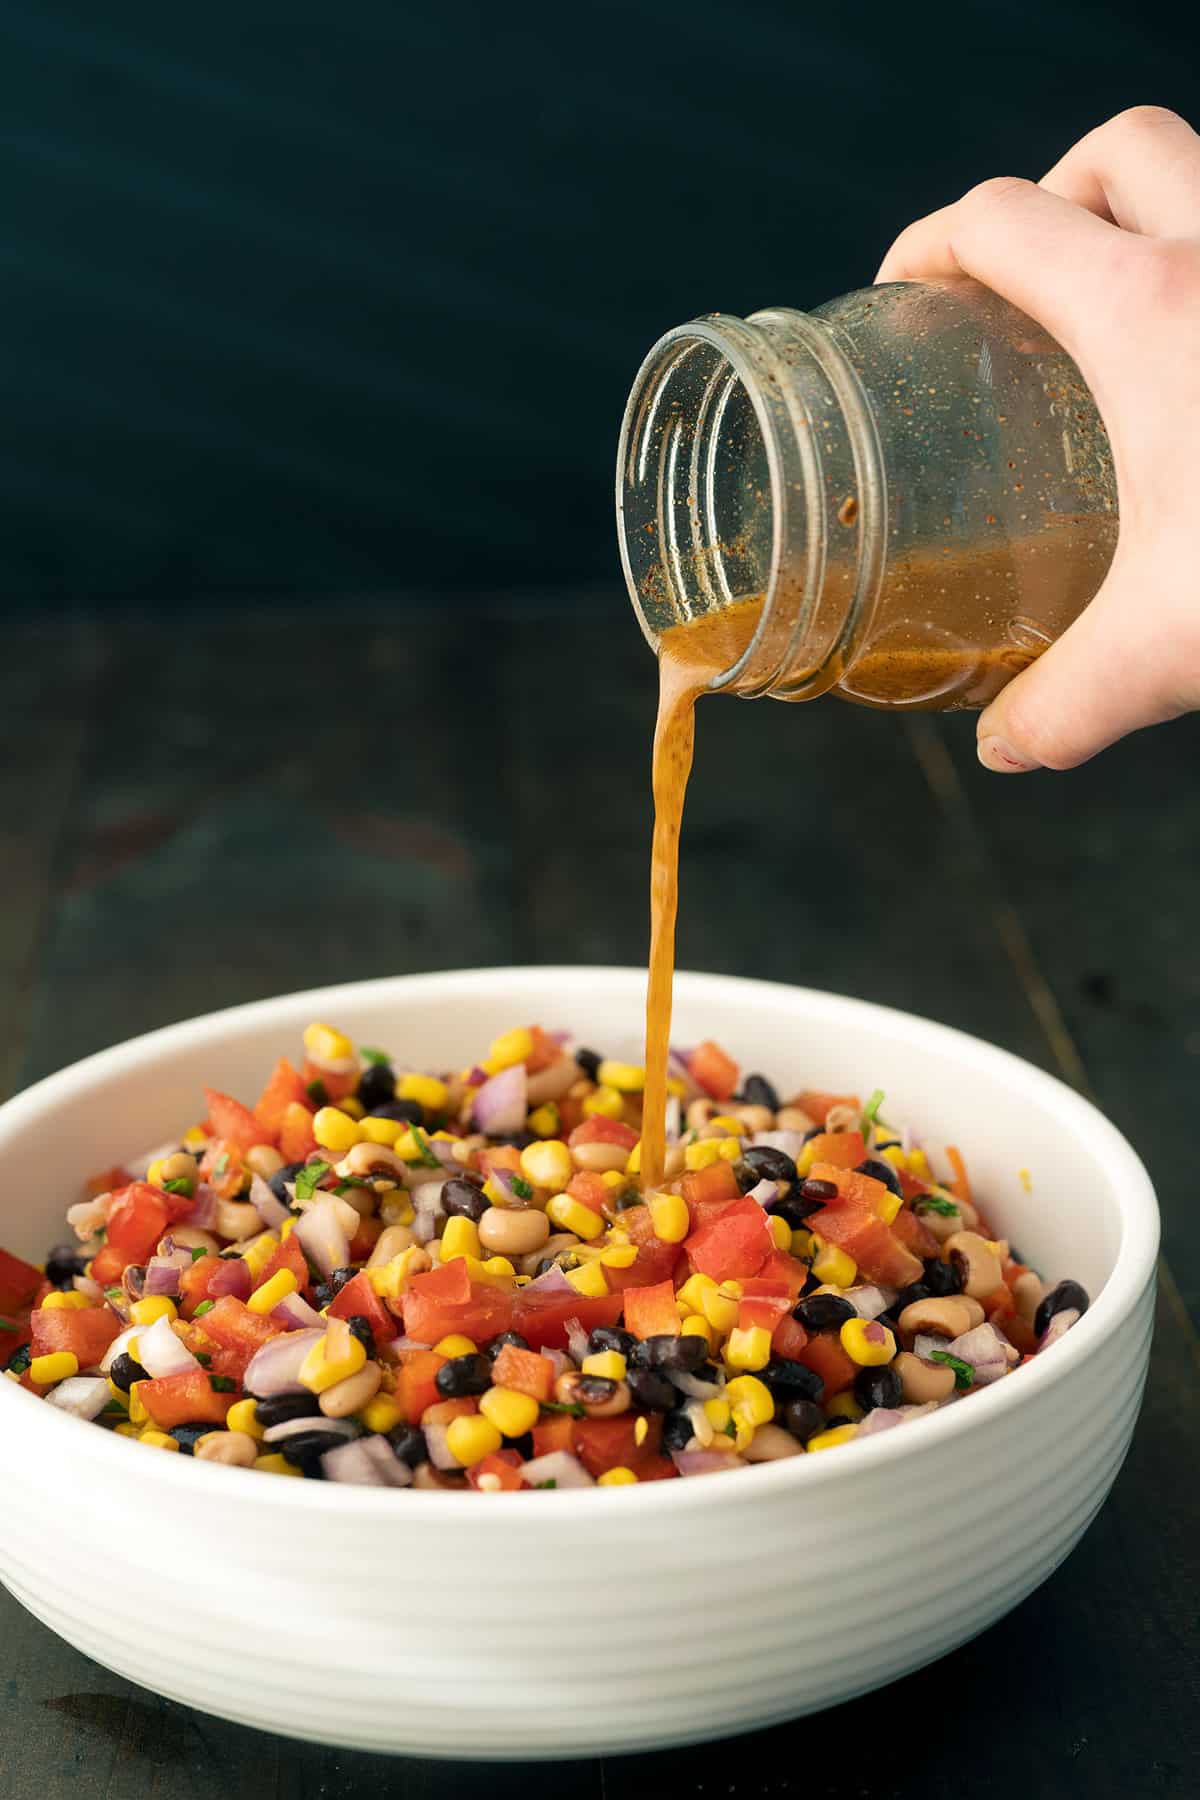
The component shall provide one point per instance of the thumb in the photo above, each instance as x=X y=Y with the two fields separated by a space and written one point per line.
x=1125 y=662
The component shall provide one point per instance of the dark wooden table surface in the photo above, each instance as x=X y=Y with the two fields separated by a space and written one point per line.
x=205 y=809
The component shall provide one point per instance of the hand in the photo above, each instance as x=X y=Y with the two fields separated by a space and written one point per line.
x=1104 y=252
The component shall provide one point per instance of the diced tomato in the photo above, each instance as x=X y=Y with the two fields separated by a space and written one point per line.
x=544 y=1052
x=499 y=1473
x=106 y=1181
x=365 y=1239
x=999 y=1305
x=713 y=1070
x=109 y=1264
x=86 y=1332
x=235 y=1329
x=232 y=1121
x=554 y=1431
x=485 y=1313
x=284 y=1088
x=336 y=1084
x=853 y=1224
x=733 y=1245
x=19 y=1283
x=709 y=1191
x=599 y=1130
x=449 y=1283
x=823 y=1354
x=137 y=1219
x=1011 y=1272
x=784 y=1269
x=844 y=1149
x=914 y=1234
x=588 y=1189
x=788 y=1338
x=541 y=1318
x=359 y=1298
x=442 y=1411
x=602 y=1444
x=656 y=1260
x=651 y=1311
x=221 y=1168
x=1019 y=1332
x=818 y=1104
x=498 y=1156
x=296 y=1140
x=762 y=1309
x=186 y=1399
x=656 y=1468
x=194 y=1287
x=911 y=1186
x=525 y=1371
x=289 y=1256
x=415 y=1387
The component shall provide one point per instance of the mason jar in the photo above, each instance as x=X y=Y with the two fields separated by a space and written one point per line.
x=904 y=496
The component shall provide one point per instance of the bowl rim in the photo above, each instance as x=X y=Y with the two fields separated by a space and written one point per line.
x=1133 y=1267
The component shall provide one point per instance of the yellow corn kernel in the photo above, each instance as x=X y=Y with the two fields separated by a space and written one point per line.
x=146 y=1312
x=747 y=1394
x=125 y=1429
x=781 y=1232
x=738 y=1434
x=332 y=1358
x=352 y=1107
x=802 y=1243
x=605 y=1102
x=806 y=1159
x=118 y=1394
x=572 y=1215
x=195 y=1138
x=426 y=1090
x=634 y=1165
x=748 y=1347
x=510 y=1048
x=243 y=1416
x=137 y=1406
x=390 y=1279
x=275 y=1464
x=844 y=1408
x=259 y=1252
x=609 y=1363
x=547 y=1164
x=265 y=1299
x=626 y=1078
x=396 y=1209
x=614 y=1179
x=867 y=1344
x=327 y=1045
x=829 y=1440
x=619 y=1256
x=692 y=1290
x=456 y=1345
x=670 y=1217
x=831 y=1264
x=154 y=1174
x=703 y=1154
x=641 y=1430
x=676 y=1086
x=718 y=1413
x=721 y=1310
x=918 y=1164
x=58 y=1366
x=381 y=1131
x=286 y=1229
x=460 y=1237
x=498 y=1266
x=889 y=1206
x=334 y=1131
x=728 y=1149
x=892 y=1153
x=160 y=1440
x=471 y=1437
x=67 y=1300
x=696 y=1325
x=735 y=1127
x=619 y=1476
x=512 y=1413
x=546 y=1120
x=381 y=1414
x=589 y=1280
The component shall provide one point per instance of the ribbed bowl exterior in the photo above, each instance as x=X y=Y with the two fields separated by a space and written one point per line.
x=684 y=1611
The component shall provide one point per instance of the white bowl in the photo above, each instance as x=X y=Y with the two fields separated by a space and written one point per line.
x=573 y=1623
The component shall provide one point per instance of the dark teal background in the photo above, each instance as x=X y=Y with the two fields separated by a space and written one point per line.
x=306 y=299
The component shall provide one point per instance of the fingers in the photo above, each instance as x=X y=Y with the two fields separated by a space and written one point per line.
x=1021 y=241
x=1105 y=677
x=1140 y=171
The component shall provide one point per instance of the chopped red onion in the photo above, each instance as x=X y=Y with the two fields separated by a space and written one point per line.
x=1058 y=1327
x=91 y=1290
x=437 y=1443
x=882 y=1418
x=322 y=1237
x=203 y=1215
x=705 y=1462
x=407 y=1343
x=554 y=1281
x=764 y=1192
x=443 y=1149
x=874 y=1333
x=559 y=1467
x=927 y=1342
x=562 y=1362
x=790 y=1142
x=500 y=1103
x=233 y=1277
x=693 y=1386
x=161 y=1353
x=118 y=1347
x=395 y=1473
x=869 y=1301
x=679 y=1066
x=267 y=1204
x=84 y=1396
x=295 y=1314
x=276 y=1434
x=367 y=1462
x=477 y=1077
x=504 y=1179
x=987 y=1352
x=163 y=1272
x=275 y=1369
x=577 y=1340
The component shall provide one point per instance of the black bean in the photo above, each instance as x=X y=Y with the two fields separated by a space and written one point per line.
x=758 y=1091
x=589 y=1062
x=673 y=1355
x=822 y=1312
x=652 y=1391
x=888 y=1144
x=916 y=1290
x=594 y=1390
x=462 y=1375
x=495 y=1345
x=360 y=1327
x=523 y=1446
x=626 y=1202
x=406 y=1111
x=408 y=1441
x=277 y=1408
x=311 y=1469
x=815 y=1132
x=878 y=1386
x=124 y=1371
x=304 y=1445
x=803 y=1419
x=769 y=1163
x=879 y=1170
x=322 y=1295
x=377 y=1085
x=794 y=1208
x=340 y=1278
x=942 y=1278
x=188 y=1436
x=611 y=1337
x=816 y=1189
x=279 y=1180
x=678 y=1430
x=789 y=1380
x=1062 y=1298
x=20 y=1359
x=463 y=1200
x=63 y=1263
x=519 y=1140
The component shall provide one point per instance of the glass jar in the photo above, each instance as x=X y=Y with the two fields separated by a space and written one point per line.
x=911 y=486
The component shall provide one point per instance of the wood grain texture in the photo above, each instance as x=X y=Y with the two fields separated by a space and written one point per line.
x=317 y=800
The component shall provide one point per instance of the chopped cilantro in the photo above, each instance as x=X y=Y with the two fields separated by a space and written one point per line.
x=114 y=1406
x=871 y=1110
x=205 y=1306
x=310 y=1178
x=222 y=1384
x=935 y=1204
x=221 y=1164
x=522 y=1188
x=182 y=1184
x=116 y=1294
x=373 y=1056
x=964 y=1374
x=557 y=1406
x=317 y=1092
x=197 y=1252
x=427 y=1159
x=347 y=1182
x=544 y=1484
x=730 y=1429
x=202 y=1357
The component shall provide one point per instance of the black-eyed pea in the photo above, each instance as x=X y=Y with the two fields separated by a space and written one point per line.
x=976 y=1261
x=390 y=1242
x=674 y=1162
x=264 y=1160
x=351 y=1395
x=755 y=1118
x=1027 y=1292
x=975 y=1312
x=426 y=1476
x=941 y=1225
x=236 y=1448
x=237 y=1219
x=553 y=1082
x=771 y=1443
x=598 y=1157
x=842 y=1118
x=700 y=1112
x=922 y=1381
x=947 y=1318
x=190 y=1237
x=555 y=1245
x=514 y=1231
x=793 y=1118
x=179 y=1166
x=599 y=1397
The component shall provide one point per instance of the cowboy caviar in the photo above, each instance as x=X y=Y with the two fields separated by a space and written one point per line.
x=382 y=1276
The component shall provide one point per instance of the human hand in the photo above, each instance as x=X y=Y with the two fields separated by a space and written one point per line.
x=1104 y=252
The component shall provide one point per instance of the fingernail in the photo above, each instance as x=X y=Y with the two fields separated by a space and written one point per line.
x=996 y=753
